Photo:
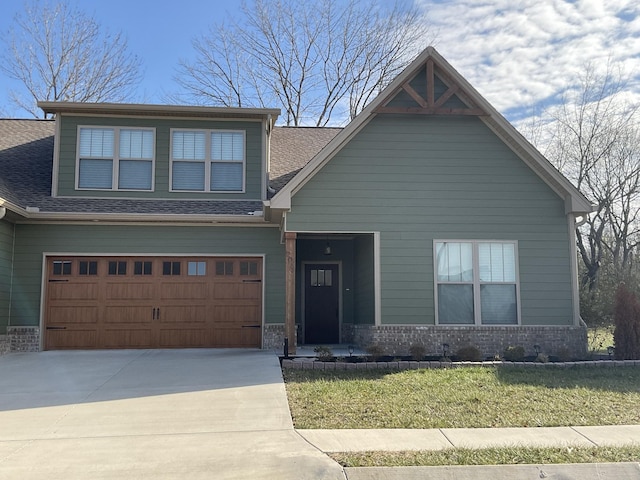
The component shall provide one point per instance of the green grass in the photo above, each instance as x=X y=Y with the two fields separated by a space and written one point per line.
x=490 y=456
x=464 y=397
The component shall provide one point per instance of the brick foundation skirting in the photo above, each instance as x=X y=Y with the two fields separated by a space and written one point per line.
x=24 y=339
x=273 y=336
x=4 y=344
x=565 y=341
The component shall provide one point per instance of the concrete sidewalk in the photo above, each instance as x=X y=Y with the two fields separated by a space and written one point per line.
x=391 y=440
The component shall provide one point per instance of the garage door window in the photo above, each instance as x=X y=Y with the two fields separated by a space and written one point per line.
x=62 y=267
x=170 y=268
x=224 y=268
x=142 y=268
x=248 y=268
x=197 y=268
x=117 y=268
x=88 y=267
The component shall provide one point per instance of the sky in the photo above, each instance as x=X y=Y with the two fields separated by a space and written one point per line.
x=520 y=55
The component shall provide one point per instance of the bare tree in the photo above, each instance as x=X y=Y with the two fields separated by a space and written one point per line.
x=321 y=61
x=595 y=143
x=59 y=53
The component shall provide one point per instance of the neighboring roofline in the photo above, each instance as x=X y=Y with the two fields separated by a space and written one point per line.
x=159 y=110
x=575 y=201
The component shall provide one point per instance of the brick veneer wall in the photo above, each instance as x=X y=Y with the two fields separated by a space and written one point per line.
x=490 y=340
x=24 y=339
x=273 y=336
x=4 y=344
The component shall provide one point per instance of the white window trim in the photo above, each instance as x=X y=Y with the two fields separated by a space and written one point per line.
x=477 y=311
x=208 y=160
x=116 y=160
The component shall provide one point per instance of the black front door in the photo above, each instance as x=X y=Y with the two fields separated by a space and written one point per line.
x=322 y=304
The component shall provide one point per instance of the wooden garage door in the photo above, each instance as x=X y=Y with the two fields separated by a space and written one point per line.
x=142 y=302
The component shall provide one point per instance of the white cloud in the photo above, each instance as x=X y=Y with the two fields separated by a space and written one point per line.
x=524 y=54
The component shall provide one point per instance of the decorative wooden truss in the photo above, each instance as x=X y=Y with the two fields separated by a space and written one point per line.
x=427 y=103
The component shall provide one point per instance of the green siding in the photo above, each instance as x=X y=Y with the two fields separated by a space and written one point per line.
x=6 y=256
x=67 y=159
x=418 y=178
x=34 y=240
x=364 y=280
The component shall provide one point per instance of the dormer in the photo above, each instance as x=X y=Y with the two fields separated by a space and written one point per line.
x=164 y=152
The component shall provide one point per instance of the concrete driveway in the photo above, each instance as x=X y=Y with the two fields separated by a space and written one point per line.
x=158 y=414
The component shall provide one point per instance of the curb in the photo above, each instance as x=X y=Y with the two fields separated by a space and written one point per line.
x=314 y=364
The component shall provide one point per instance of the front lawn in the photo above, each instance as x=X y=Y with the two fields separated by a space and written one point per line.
x=464 y=397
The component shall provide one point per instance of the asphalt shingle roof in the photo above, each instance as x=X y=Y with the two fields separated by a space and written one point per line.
x=26 y=162
x=293 y=147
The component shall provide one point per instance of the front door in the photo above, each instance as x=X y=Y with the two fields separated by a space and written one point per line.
x=322 y=304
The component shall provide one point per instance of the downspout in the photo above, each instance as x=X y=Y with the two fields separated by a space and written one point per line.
x=573 y=224
x=579 y=223
x=13 y=259
x=269 y=129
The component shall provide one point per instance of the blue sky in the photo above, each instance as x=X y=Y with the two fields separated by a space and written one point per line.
x=520 y=55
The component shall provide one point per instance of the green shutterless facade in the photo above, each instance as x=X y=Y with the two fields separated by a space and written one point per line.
x=66 y=177
x=6 y=255
x=33 y=241
x=416 y=179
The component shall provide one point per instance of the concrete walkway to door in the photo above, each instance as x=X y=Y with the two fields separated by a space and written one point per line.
x=161 y=414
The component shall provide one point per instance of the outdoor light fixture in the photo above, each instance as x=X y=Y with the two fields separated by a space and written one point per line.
x=327 y=248
x=537 y=349
x=445 y=349
x=350 y=350
x=610 y=350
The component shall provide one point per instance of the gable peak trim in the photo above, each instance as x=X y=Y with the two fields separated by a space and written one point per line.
x=427 y=102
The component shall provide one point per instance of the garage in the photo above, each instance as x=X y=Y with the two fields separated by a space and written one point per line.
x=152 y=302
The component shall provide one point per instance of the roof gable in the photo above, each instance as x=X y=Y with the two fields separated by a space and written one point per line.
x=431 y=86
x=430 y=92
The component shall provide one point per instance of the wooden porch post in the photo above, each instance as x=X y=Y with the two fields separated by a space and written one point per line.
x=290 y=291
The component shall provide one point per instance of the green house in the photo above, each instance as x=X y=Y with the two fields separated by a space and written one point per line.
x=428 y=219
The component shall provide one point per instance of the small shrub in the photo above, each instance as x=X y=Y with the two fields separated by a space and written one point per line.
x=375 y=351
x=469 y=353
x=542 y=358
x=417 y=351
x=323 y=353
x=626 y=336
x=513 y=354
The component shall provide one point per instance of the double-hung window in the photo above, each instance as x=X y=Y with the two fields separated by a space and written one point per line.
x=476 y=282
x=207 y=160
x=114 y=158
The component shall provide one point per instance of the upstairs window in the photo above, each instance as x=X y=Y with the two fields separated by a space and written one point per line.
x=115 y=158
x=207 y=161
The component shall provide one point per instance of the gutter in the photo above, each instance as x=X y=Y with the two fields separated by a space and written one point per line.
x=146 y=218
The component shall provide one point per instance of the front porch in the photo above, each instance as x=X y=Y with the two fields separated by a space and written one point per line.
x=330 y=287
